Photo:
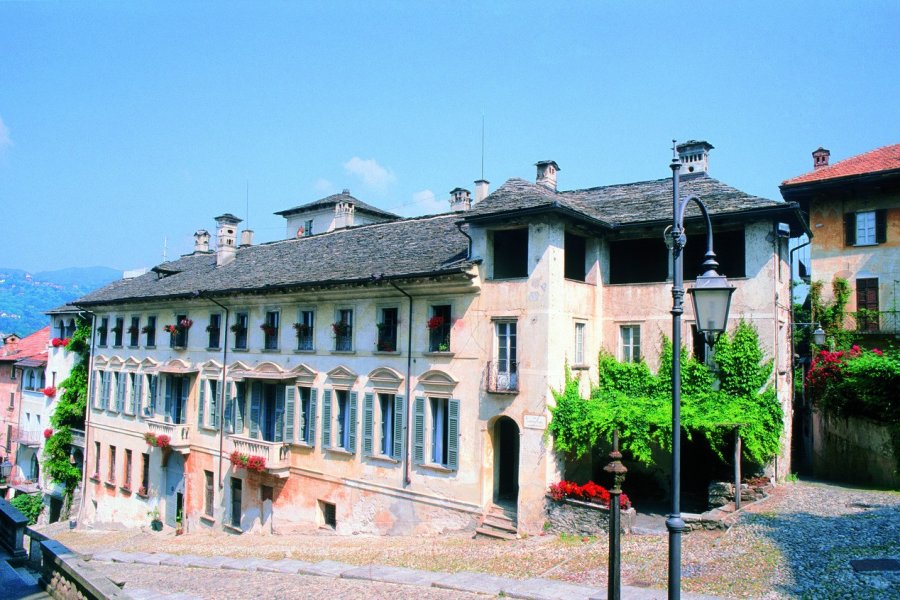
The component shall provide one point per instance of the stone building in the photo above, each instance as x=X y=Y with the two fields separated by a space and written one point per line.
x=394 y=376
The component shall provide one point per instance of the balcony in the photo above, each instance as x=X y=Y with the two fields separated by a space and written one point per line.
x=179 y=435
x=873 y=322
x=78 y=437
x=27 y=437
x=502 y=378
x=277 y=454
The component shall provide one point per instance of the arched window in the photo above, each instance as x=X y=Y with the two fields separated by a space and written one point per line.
x=30 y=385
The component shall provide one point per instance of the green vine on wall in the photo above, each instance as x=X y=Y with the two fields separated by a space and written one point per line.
x=630 y=398
x=69 y=414
x=831 y=315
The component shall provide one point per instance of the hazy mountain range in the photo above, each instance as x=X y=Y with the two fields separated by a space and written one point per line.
x=24 y=296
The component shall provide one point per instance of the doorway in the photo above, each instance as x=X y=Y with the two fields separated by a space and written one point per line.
x=506 y=462
x=174 y=487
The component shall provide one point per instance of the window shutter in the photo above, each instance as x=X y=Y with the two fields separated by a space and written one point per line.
x=169 y=400
x=326 y=419
x=290 y=393
x=240 y=408
x=351 y=439
x=214 y=407
x=185 y=389
x=279 y=413
x=229 y=409
x=368 y=418
x=138 y=394
x=201 y=404
x=153 y=385
x=453 y=434
x=419 y=431
x=881 y=226
x=255 y=408
x=849 y=229
x=399 y=411
x=313 y=393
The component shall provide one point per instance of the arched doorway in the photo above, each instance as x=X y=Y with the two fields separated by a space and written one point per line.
x=506 y=462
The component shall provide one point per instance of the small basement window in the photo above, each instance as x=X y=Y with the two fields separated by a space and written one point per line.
x=329 y=514
x=510 y=250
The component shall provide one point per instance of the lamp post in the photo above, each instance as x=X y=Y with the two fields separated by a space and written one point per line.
x=712 y=298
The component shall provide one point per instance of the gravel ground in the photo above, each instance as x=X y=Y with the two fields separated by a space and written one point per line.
x=796 y=544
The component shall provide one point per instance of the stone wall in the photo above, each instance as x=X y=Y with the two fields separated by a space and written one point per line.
x=583 y=518
x=66 y=577
x=854 y=450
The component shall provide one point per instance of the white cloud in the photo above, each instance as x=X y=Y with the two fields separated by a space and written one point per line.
x=425 y=203
x=5 y=140
x=371 y=174
x=323 y=186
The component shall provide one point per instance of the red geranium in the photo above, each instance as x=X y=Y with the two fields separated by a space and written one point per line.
x=163 y=441
x=47 y=433
x=49 y=391
x=435 y=322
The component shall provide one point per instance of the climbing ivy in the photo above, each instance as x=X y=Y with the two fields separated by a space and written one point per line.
x=69 y=414
x=831 y=315
x=630 y=398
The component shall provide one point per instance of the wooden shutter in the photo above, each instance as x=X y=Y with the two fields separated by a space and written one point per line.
x=399 y=411
x=279 y=413
x=368 y=418
x=453 y=434
x=201 y=403
x=185 y=389
x=255 y=408
x=290 y=394
x=326 y=419
x=313 y=394
x=120 y=392
x=153 y=391
x=240 y=408
x=881 y=226
x=419 y=431
x=214 y=406
x=169 y=404
x=351 y=438
x=138 y=394
x=849 y=229
x=229 y=409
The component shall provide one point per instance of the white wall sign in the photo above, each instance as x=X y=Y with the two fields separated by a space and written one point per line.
x=535 y=422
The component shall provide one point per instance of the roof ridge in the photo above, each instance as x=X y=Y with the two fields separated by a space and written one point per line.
x=836 y=168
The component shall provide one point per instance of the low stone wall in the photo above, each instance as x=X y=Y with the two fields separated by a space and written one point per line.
x=855 y=451
x=12 y=530
x=722 y=492
x=66 y=577
x=583 y=518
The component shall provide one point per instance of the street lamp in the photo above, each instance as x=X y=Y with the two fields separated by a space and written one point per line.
x=819 y=336
x=712 y=298
x=5 y=470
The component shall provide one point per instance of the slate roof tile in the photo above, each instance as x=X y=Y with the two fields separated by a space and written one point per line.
x=333 y=199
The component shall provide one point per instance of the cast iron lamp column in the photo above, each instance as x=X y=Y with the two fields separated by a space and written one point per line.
x=712 y=298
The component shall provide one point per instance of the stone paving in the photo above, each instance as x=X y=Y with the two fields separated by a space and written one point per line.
x=412 y=579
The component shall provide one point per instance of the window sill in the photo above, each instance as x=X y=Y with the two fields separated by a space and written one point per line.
x=270 y=351
x=436 y=468
x=503 y=392
x=389 y=352
x=117 y=346
x=339 y=452
x=150 y=347
x=110 y=484
x=305 y=351
x=580 y=367
x=95 y=478
x=231 y=528
x=240 y=349
x=866 y=245
x=343 y=351
x=140 y=495
x=207 y=520
x=125 y=490
x=133 y=347
x=516 y=278
x=209 y=428
x=383 y=458
x=213 y=349
x=303 y=445
x=445 y=353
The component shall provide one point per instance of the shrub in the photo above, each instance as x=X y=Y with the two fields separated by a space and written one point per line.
x=30 y=505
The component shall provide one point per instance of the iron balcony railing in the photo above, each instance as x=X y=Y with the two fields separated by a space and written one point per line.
x=27 y=437
x=877 y=322
x=502 y=377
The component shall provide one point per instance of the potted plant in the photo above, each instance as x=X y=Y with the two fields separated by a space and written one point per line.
x=179 y=525
x=302 y=329
x=147 y=329
x=156 y=523
x=238 y=328
x=185 y=324
x=101 y=329
x=132 y=329
x=340 y=328
x=150 y=438
x=117 y=329
x=268 y=328
x=171 y=329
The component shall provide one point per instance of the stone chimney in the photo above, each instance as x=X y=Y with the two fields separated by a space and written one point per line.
x=460 y=200
x=820 y=158
x=694 y=156
x=201 y=241
x=226 y=238
x=343 y=211
x=546 y=173
x=481 y=190
x=246 y=237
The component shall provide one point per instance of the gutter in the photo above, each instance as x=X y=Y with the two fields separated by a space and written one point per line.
x=221 y=418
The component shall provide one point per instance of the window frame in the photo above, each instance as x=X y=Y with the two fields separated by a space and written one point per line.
x=134 y=339
x=150 y=340
x=271 y=318
x=387 y=339
x=103 y=331
x=119 y=332
x=627 y=348
x=507 y=368
x=214 y=331
x=306 y=343
x=580 y=335
x=439 y=338
x=241 y=338
x=344 y=342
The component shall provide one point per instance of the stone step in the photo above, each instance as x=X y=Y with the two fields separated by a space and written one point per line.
x=497 y=522
x=495 y=533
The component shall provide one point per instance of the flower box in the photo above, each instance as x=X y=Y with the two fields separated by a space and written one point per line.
x=251 y=462
x=49 y=391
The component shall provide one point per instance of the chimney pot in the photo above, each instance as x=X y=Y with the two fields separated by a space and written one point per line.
x=694 y=156
x=246 y=237
x=546 y=173
x=820 y=158
x=226 y=246
x=201 y=240
x=460 y=199
x=346 y=192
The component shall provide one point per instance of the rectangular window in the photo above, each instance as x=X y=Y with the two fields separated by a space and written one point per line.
x=212 y=418
x=865 y=228
x=118 y=331
x=270 y=329
x=209 y=496
x=439 y=324
x=145 y=473
x=507 y=371
x=134 y=331
x=236 y=502
x=387 y=330
x=127 y=479
x=12 y=400
x=103 y=331
x=867 y=315
x=150 y=331
x=111 y=474
x=579 y=343
x=241 y=320
x=630 y=336
x=575 y=253
x=308 y=228
x=439 y=431
x=343 y=330
x=307 y=416
x=152 y=395
x=96 y=460
x=343 y=418
x=177 y=388
x=510 y=252
x=386 y=424
x=179 y=339
x=304 y=328
x=214 y=329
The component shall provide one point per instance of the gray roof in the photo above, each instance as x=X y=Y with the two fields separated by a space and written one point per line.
x=65 y=309
x=330 y=201
x=426 y=246
x=624 y=204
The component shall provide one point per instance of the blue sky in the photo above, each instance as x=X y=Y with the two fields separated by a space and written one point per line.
x=124 y=124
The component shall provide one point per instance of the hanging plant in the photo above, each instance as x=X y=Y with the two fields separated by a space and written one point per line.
x=269 y=329
x=185 y=324
x=238 y=328
x=132 y=329
x=340 y=328
x=49 y=391
x=302 y=329
x=172 y=329
x=147 y=329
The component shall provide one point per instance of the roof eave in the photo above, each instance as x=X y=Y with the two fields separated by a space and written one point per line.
x=803 y=187
x=554 y=207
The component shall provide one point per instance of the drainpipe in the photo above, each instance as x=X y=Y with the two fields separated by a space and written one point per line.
x=87 y=409
x=409 y=400
x=469 y=250
x=221 y=419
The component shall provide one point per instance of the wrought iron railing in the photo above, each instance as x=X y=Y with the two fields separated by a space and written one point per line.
x=877 y=321
x=502 y=377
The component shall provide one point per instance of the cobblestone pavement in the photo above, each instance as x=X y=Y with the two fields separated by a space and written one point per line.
x=796 y=544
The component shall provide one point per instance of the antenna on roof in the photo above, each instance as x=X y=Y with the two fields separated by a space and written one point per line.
x=165 y=248
x=482 y=144
x=247 y=220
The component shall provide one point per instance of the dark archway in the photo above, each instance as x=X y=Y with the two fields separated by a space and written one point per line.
x=506 y=462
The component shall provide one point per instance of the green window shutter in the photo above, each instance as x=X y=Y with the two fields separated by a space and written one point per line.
x=326 y=419
x=185 y=390
x=121 y=379
x=313 y=394
x=279 y=413
x=849 y=229
x=229 y=409
x=153 y=390
x=419 y=431
x=290 y=394
x=351 y=439
x=399 y=411
x=453 y=434
x=240 y=408
x=368 y=418
x=138 y=399
x=169 y=399
x=255 y=408
x=214 y=407
x=201 y=403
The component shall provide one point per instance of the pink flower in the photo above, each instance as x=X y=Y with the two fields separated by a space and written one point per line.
x=877 y=352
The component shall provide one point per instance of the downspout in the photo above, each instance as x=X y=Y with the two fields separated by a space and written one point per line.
x=87 y=408
x=222 y=384
x=409 y=400
x=469 y=249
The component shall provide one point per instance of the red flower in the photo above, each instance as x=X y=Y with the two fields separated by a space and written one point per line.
x=163 y=441
x=435 y=322
x=49 y=391
x=877 y=352
x=47 y=433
